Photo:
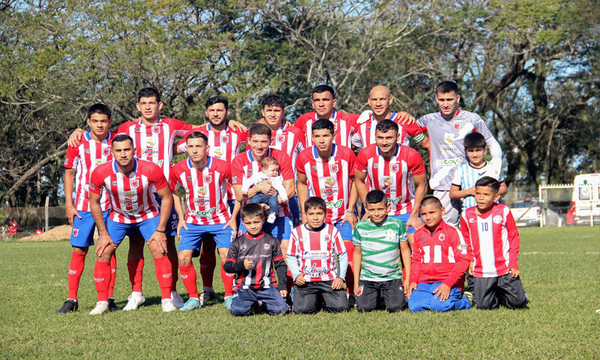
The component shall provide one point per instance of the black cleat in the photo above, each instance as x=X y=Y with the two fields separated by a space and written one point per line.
x=68 y=307
x=112 y=306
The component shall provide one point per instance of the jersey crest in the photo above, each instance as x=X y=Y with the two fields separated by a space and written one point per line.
x=135 y=183
x=394 y=167
x=280 y=138
x=106 y=151
x=334 y=167
x=208 y=178
x=456 y=125
x=156 y=129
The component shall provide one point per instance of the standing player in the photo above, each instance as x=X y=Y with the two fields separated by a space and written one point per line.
x=326 y=170
x=205 y=181
x=380 y=102
x=81 y=160
x=394 y=169
x=134 y=209
x=446 y=130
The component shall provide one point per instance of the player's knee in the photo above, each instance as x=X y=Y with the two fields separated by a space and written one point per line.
x=486 y=305
x=184 y=259
x=397 y=306
x=517 y=302
x=441 y=306
x=236 y=310
x=414 y=305
x=81 y=250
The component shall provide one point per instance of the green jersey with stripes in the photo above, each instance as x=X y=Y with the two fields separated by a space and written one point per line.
x=380 y=247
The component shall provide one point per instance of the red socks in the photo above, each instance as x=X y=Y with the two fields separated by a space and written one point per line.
x=102 y=279
x=350 y=272
x=75 y=270
x=162 y=265
x=113 y=276
x=208 y=262
x=189 y=278
x=227 y=281
x=136 y=270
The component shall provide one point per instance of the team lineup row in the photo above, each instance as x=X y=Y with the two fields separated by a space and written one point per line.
x=326 y=168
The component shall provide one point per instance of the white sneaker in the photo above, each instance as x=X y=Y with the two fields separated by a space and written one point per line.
x=133 y=301
x=101 y=308
x=271 y=218
x=177 y=300
x=167 y=305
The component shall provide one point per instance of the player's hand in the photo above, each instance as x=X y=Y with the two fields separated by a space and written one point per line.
x=415 y=222
x=288 y=123
x=247 y=263
x=471 y=265
x=442 y=291
x=337 y=284
x=236 y=126
x=405 y=118
x=75 y=137
x=71 y=213
x=104 y=241
x=409 y=289
x=231 y=224
x=405 y=285
x=350 y=218
x=181 y=224
x=300 y=279
x=365 y=216
x=514 y=272
x=471 y=191
x=160 y=240
x=366 y=115
x=265 y=187
x=283 y=293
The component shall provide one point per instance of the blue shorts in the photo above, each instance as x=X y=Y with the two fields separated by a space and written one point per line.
x=82 y=234
x=295 y=210
x=404 y=218
x=281 y=229
x=423 y=299
x=345 y=230
x=118 y=231
x=171 y=228
x=192 y=238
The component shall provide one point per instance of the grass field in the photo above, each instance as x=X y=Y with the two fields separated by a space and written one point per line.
x=560 y=271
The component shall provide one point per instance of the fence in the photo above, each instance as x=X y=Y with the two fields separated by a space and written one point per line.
x=28 y=219
x=565 y=200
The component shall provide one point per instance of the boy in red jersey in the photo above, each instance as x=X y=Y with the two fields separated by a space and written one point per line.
x=311 y=258
x=439 y=260
x=492 y=237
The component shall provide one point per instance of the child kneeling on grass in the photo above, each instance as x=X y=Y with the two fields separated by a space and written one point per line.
x=493 y=240
x=250 y=257
x=439 y=261
x=311 y=257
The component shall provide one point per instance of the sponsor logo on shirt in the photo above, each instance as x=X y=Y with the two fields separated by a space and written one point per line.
x=329 y=181
x=159 y=162
x=462 y=247
x=315 y=271
x=315 y=255
x=456 y=162
x=449 y=138
x=266 y=246
x=208 y=212
x=449 y=148
x=98 y=162
x=66 y=161
x=334 y=204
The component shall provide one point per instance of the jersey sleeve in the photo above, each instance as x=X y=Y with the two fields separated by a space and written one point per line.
x=415 y=263
x=466 y=233
x=247 y=183
x=457 y=180
x=482 y=127
x=237 y=171
x=285 y=165
x=462 y=260
x=361 y=161
x=158 y=178
x=174 y=179
x=122 y=129
x=340 y=248
x=356 y=239
x=300 y=161
x=96 y=181
x=181 y=128
x=351 y=162
x=417 y=132
x=402 y=235
x=300 y=123
x=513 y=240
x=72 y=158
x=417 y=167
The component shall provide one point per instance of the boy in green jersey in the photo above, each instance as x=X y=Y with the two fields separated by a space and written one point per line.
x=379 y=241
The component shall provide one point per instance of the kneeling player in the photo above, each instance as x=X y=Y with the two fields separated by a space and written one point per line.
x=378 y=243
x=311 y=259
x=439 y=262
x=492 y=236
x=250 y=257
x=205 y=180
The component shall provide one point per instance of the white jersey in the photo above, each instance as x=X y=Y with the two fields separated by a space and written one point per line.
x=446 y=151
x=466 y=176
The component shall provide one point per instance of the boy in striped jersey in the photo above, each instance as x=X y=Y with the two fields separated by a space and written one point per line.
x=81 y=160
x=379 y=241
x=465 y=177
x=492 y=237
x=311 y=259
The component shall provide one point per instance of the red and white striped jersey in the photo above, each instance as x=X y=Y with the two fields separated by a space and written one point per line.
x=289 y=139
x=244 y=165
x=131 y=197
x=155 y=143
x=206 y=191
x=442 y=256
x=84 y=158
x=315 y=252
x=364 y=134
x=493 y=239
x=393 y=177
x=343 y=123
x=330 y=180
x=224 y=145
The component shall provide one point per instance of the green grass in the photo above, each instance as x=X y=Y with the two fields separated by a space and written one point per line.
x=560 y=271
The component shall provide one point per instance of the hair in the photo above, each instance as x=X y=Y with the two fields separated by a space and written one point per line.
x=474 y=140
x=122 y=137
x=375 y=197
x=315 y=203
x=431 y=200
x=323 y=124
x=386 y=125
x=197 y=135
x=273 y=100
x=259 y=129
x=149 y=92
x=252 y=210
x=446 y=87
x=487 y=181
x=268 y=161
x=216 y=100
x=321 y=89
x=99 y=109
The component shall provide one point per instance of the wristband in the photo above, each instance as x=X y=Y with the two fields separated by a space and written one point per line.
x=161 y=231
x=350 y=212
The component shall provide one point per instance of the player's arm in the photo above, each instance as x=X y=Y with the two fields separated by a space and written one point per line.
x=466 y=234
x=503 y=189
x=231 y=265
x=302 y=192
x=69 y=181
x=160 y=237
x=236 y=125
x=457 y=193
x=421 y=182
x=405 y=253
x=280 y=267
x=415 y=269
x=104 y=239
x=462 y=260
x=179 y=211
x=357 y=263
x=350 y=213
x=361 y=186
x=514 y=244
x=338 y=282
